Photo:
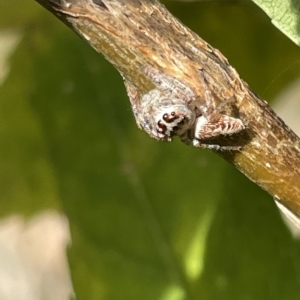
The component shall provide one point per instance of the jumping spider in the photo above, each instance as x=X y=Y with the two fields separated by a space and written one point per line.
x=163 y=118
x=170 y=110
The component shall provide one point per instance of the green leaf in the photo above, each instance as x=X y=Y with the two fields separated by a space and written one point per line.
x=284 y=15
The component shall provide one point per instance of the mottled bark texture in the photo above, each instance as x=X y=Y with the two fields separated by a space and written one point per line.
x=134 y=34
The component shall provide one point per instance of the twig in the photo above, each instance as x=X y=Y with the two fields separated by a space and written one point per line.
x=138 y=36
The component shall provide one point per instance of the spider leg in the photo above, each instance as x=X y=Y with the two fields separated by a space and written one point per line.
x=198 y=144
x=216 y=125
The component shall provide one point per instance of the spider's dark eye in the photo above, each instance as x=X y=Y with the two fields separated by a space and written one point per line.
x=166 y=117
x=161 y=127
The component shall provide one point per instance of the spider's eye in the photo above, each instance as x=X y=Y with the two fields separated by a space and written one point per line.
x=162 y=128
x=166 y=117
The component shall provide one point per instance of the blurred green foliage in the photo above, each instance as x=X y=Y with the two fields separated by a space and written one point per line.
x=149 y=220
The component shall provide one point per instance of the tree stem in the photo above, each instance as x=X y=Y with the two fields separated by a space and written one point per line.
x=133 y=34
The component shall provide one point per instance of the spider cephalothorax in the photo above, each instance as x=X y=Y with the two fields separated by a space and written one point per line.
x=164 y=118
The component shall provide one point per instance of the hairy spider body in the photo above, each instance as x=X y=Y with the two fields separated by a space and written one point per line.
x=171 y=110
x=163 y=118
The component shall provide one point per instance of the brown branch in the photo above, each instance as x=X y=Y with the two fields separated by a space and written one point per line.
x=134 y=34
